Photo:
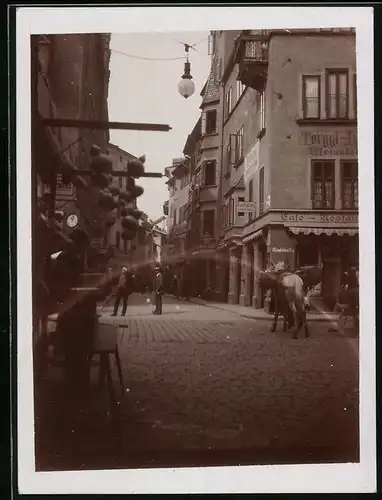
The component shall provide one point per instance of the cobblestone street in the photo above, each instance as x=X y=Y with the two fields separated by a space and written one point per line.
x=204 y=386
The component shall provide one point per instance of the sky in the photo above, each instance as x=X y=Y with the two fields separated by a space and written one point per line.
x=147 y=91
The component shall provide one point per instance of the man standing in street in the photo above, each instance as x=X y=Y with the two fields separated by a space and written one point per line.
x=125 y=288
x=158 y=290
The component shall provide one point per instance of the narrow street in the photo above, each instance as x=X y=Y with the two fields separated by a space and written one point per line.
x=206 y=387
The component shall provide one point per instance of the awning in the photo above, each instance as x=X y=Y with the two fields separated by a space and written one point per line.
x=253 y=236
x=324 y=230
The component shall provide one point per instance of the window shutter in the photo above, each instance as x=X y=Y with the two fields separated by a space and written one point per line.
x=232 y=148
x=203 y=174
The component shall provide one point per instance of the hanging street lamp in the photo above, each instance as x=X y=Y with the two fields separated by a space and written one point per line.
x=186 y=86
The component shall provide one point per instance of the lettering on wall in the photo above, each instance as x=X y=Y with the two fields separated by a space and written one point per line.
x=282 y=250
x=337 y=143
x=324 y=218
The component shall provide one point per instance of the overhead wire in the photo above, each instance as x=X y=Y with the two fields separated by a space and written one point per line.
x=134 y=56
x=147 y=58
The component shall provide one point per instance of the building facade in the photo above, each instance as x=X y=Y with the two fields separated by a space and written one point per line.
x=273 y=170
x=113 y=238
x=178 y=187
x=73 y=82
x=301 y=169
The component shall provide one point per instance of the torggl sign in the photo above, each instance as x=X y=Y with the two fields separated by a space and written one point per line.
x=330 y=143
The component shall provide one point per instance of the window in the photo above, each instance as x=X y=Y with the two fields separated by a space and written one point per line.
x=117 y=239
x=262 y=111
x=261 y=190
x=120 y=182
x=209 y=223
x=239 y=89
x=210 y=173
x=323 y=184
x=241 y=199
x=349 y=170
x=231 y=214
x=228 y=103
x=211 y=121
x=250 y=190
x=211 y=43
x=239 y=145
x=337 y=93
x=241 y=214
x=311 y=87
x=355 y=94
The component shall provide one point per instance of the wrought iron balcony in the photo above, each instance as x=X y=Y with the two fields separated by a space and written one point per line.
x=252 y=56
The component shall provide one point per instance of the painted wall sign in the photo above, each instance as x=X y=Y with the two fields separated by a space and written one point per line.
x=324 y=218
x=245 y=206
x=251 y=163
x=337 y=143
x=282 y=250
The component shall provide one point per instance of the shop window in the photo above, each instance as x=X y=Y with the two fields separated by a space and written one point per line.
x=209 y=223
x=308 y=251
x=349 y=170
x=311 y=86
x=210 y=173
x=261 y=191
x=337 y=93
x=323 y=184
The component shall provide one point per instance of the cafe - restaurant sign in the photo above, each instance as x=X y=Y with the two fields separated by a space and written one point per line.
x=330 y=143
x=324 y=218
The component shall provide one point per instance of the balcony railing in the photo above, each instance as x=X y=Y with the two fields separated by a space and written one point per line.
x=256 y=50
x=252 y=54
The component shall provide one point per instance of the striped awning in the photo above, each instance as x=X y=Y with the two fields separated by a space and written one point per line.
x=253 y=236
x=329 y=231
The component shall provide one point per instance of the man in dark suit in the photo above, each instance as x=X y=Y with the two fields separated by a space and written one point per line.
x=125 y=288
x=158 y=290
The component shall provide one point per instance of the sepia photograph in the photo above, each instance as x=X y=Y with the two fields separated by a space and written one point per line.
x=193 y=200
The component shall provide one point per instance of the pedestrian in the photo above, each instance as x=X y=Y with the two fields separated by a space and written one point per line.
x=125 y=288
x=158 y=290
x=175 y=285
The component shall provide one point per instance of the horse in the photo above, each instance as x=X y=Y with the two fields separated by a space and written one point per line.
x=289 y=292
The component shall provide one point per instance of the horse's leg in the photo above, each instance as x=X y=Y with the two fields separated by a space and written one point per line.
x=274 y=323
x=276 y=311
x=307 y=333
x=292 y=306
x=286 y=322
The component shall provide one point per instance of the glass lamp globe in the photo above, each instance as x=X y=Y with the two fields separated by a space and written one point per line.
x=186 y=87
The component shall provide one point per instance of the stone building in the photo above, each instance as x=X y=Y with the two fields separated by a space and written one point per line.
x=73 y=82
x=299 y=191
x=113 y=237
x=178 y=187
